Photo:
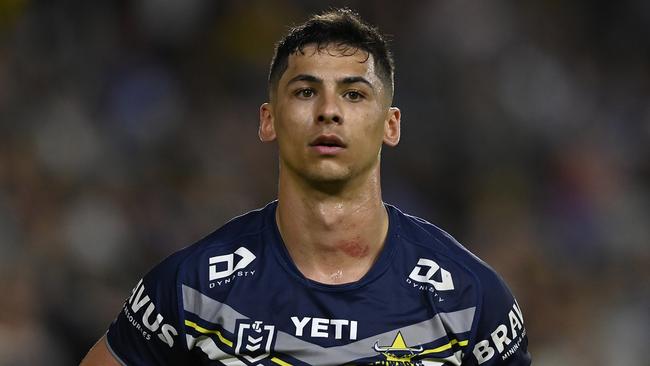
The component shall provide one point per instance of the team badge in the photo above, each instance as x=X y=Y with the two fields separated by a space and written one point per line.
x=254 y=340
x=398 y=353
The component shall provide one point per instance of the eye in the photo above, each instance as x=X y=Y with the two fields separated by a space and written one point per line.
x=305 y=93
x=353 y=96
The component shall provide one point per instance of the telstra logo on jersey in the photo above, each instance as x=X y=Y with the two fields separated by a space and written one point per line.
x=445 y=283
x=224 y=270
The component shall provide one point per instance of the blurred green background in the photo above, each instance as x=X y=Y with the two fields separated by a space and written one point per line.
x=128 y=129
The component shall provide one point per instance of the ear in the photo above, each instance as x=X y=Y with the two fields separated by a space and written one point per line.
x=266 y=131
x=392 y=127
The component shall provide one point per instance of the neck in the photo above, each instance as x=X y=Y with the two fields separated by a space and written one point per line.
x=333 y=235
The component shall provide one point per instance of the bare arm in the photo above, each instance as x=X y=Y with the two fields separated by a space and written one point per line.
x=99 y=355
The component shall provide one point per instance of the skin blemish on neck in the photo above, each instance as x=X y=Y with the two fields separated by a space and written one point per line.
x=354 y=247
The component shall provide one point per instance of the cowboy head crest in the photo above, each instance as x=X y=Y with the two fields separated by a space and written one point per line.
x=398 y=350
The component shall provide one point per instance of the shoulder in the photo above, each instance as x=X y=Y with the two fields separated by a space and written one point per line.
x=454 y=274
x=233 y=237
x=151 y=324
x=464 y=281
x=237 y=229
x=425 y=240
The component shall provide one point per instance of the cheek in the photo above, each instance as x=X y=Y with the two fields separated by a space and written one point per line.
x=296 y=109
x=290 y=127
x=374 y=129
x=295 y=115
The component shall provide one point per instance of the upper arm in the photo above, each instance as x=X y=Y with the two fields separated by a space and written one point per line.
x=149 y=328
x=500 y=336
x=100 y=355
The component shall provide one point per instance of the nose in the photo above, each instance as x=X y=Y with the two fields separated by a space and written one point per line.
x=328 y=118
x=329 y=111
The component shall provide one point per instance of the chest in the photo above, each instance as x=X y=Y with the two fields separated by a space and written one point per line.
x=277 y=323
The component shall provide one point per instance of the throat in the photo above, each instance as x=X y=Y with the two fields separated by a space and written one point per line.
x=354 y=247
x=332 y=242
x=337 y=262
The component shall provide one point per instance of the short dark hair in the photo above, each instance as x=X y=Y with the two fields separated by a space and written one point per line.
x=342 y=27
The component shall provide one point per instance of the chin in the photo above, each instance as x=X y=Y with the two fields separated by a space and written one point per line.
x=328 y=177
x=327 y=174
x=331 y=173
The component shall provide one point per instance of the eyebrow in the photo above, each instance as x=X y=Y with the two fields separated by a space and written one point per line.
x=356 y=79
x=345 y=80
x=305 y=77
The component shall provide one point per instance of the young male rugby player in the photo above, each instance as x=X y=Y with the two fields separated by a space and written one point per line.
x=328 y=274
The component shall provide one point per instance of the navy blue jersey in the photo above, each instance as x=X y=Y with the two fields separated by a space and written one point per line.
x=236 y=298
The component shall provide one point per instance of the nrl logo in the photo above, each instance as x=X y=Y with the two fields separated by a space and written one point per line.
x=254 y=340
x=399 y=352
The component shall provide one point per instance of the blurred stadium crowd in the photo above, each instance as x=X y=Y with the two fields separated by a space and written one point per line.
x=128 y=130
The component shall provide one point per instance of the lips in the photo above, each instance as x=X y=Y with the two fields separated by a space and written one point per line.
x=328 y=141
x=328 y=145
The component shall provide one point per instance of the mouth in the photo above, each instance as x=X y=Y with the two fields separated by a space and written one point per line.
x=328 y=145
x=328 y=141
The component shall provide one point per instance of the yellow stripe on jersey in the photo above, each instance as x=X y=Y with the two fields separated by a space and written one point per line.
x=224 y=340
x=445 y=347
x=280 y=362
x=202 y=330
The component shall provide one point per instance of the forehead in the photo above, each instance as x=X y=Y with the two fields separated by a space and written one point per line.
x=331 y=62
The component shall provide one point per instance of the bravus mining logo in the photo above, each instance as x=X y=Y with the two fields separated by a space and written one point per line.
x=143 y=315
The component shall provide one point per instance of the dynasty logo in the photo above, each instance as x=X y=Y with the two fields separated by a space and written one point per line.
x=224 y=269
x=427 y=275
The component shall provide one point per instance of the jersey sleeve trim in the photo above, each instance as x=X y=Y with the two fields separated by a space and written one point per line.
x=180 y=299
x=112 y=351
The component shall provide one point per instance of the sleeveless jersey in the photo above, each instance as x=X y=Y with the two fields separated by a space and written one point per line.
x=236 y=298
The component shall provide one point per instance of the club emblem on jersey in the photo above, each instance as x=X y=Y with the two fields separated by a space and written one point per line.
x=254 y=340
x=398 y=353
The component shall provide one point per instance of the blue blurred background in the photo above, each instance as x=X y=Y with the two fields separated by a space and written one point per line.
x=129 y=130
